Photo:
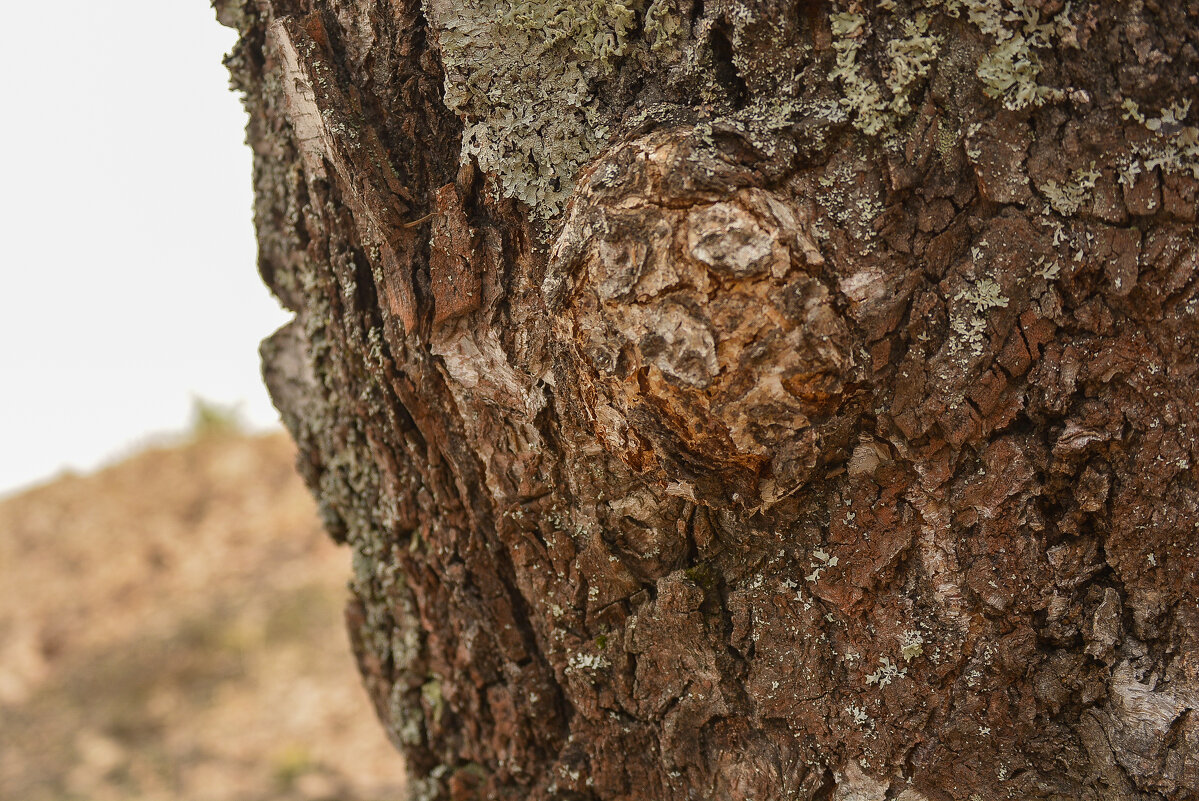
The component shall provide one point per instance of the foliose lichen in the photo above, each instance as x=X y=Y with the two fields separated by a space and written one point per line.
x=522 y=75
x=887 y=672
x=531 y=78
x=912 y=57
x=1068 y=197
x=968 y=320
x=1010 y=70
x=863 y=96
x=1173 y=148
x=663 y=24
x=912 y=645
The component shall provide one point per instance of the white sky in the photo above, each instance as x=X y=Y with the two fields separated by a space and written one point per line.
x=127 y=255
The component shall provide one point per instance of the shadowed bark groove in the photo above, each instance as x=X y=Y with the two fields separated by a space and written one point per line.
x=748 y=399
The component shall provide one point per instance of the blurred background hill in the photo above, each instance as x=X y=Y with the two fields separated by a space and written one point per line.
x=170 y=628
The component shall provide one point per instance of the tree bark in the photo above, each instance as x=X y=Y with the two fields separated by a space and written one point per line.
x=748 y=399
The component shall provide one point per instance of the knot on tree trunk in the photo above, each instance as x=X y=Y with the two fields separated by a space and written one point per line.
x=690 y=304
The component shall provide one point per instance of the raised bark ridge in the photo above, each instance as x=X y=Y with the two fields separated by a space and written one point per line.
x=836 y=439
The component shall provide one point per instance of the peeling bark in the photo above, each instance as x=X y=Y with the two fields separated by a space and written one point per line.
x=820 y=424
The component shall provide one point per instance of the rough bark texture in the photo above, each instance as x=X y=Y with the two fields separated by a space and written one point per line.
x=747 y=399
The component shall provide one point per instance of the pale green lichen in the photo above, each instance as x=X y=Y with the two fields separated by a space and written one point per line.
x=982 y=295
x=850 y=203
x=582 y=661
x=1010 y=70
x=969 y=320
x=1174 y=154
x=430 y=692
x=1132 y=110
x=887 y=672
x=911 y=645
x=1174 y=147
x=522 y=76
x=1049 y=270
x=984 y=15
x=973 y=151
x=863 y=96
x=1067 y=198
x=762 y=120
x=911 y=59
x=663 y=24
x=821 y=561
x=527 y=77
x=860 y=716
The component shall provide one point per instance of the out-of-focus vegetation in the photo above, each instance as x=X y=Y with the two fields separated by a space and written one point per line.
x=210 y=418
x=170 y=628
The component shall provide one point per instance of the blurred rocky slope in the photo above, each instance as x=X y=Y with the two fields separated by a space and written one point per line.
x=170 y=628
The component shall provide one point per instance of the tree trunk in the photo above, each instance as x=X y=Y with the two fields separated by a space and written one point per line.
x=748 y=399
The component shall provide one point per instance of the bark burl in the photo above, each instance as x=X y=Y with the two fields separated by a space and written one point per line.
x=748 y=399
